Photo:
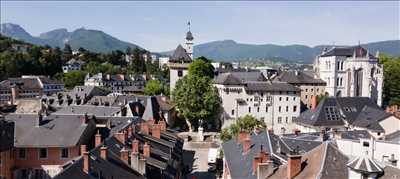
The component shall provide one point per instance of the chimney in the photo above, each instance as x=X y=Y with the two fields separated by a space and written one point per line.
x=323 y=135
x=293 y=166
x=135 y=146
x=144 y=128
x=242 y=136
x=120 y=137
x=256 y=161
x=146 y=150
x=14 y=95
x=150 y=122
x=246 y=145
x=130 y=131
x=103 y=152
x=313 y=102
x=163 y=125
x=39 y=119
x=124 y=155
x=156 y=131
x=97 y=139
x=86 y=162
x=264 y=170
x=85 y=119
x=83 y=149
x=264 y=156
x=108 y=76
x=297 y=132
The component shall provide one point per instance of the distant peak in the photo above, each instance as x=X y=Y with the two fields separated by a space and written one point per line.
x=229 y=41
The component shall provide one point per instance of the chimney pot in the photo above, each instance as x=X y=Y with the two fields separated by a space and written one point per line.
x=130 y=131
x=144 y=128
x=293 y=166
x=163 y=125
x=86 y=163
x=97 y=139
x=135 y=146
x=103 y=152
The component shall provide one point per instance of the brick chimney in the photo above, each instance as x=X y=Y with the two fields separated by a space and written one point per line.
x=103 y=152
x=83 y=149
x=156 y=131
x=97 y=139
x=135 y=146
x=120 y=137
x=130 y=131
x=14 y=95
x=293 y=166
x=150 y=122
x=146 y=150
x=144 y=128
x=246 y=145
x=314 y=102
x=163 y=125
x=256 y=161
x=86 y=163
x=124 y=155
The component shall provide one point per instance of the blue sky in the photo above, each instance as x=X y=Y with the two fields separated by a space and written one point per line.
x=160 y=26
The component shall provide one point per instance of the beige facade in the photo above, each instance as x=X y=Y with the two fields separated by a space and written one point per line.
x=310 y=90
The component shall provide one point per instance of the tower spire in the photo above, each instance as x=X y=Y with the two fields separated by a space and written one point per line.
x=188 y=24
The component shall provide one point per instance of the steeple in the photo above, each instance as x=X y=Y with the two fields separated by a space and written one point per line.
x=189 y=42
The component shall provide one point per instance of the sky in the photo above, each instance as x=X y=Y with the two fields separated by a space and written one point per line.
x=162 y=25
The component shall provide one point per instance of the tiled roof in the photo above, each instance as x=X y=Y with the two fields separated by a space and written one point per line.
x=180 y=56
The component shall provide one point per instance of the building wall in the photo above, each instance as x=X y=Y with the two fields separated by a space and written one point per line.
x=7 y=162
x=262 y=105
x=379 y=150
x=339 y=74
x=54 y=157
x=174 y=77
x=308 y=91
x=390 y=125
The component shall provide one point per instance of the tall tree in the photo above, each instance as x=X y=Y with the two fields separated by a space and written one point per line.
x=202 y=67
x=246 y=123
x=391 y=87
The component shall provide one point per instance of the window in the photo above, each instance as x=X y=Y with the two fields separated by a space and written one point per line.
x=279 y=120
x=293 y=118
x=258 y=109
x=341 y=81
x=306 y=89
x=280 y=98
x=312 y=89
x=294 y=108
x=306 y=96
x=64 y=153
x=43 y=153
x=287 y=108
x=249 y=109
x=233 y=112
x=337 y=81
x=280 y=109
x=266 y=109
x=287 y=98
x=294 y=98
x=180 y=73
x=21 y=153
x=280 y=92
x=287 y=120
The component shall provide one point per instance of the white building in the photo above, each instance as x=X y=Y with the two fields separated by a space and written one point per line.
x=247 y=93
x=180 y=60
x=350 y=71
x=73 y=65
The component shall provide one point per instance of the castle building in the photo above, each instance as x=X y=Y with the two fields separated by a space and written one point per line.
x=350 y=72
x=180 y=60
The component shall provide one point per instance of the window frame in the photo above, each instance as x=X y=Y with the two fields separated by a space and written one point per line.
x=62 y=152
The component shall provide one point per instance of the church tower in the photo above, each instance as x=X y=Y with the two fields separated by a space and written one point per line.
x=189 y=42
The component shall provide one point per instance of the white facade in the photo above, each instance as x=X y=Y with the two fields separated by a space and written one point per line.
x=276 y=108
x=350 y=72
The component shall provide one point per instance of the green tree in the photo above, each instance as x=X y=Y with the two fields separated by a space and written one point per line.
x=73 y=78
x=246 y=123
x=391 y=87
x=196 y=99
x=201 y=67
x=154 y=87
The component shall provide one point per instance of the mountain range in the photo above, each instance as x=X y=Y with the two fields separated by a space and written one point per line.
x=225 y=50
x=93 y=40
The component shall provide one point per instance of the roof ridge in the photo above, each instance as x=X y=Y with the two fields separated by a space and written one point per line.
x=323 y=160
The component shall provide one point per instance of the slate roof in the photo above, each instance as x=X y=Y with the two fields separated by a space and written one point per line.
x=393 y=137
x=6 y=134
x=240 y=165
x=364 y=164
x=74 y=61
x=189 y=36
x=152 y=109
x=54 y=131
x=269 y=86
x=180 y=56
x=355 y=135
x=336 y=111
x=298 y=77
x=48 y=81
x=21 y=83
x=89 y=110
x=317 y=163
x=238 y=78
x=347 y=52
